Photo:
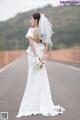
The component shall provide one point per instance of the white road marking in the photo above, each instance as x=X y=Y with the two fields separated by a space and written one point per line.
x=62 y=64
x=68 y=66
x=9 y=65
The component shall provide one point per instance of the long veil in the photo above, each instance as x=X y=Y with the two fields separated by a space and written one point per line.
x=45 y=29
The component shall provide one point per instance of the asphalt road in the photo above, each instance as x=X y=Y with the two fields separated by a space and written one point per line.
x=65 y=89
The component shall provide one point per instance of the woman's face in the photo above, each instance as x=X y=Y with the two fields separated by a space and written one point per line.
x=33 y=22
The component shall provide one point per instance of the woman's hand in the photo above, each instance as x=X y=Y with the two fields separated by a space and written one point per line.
x=44 y=58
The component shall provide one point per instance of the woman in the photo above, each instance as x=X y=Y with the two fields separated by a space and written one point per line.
x=37 y=95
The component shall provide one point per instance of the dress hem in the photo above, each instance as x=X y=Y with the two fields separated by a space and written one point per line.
x=53 y=113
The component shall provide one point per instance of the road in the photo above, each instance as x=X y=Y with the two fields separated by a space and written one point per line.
x=64 y=83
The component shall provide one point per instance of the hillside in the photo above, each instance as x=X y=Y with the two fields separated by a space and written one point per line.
x=66 y=26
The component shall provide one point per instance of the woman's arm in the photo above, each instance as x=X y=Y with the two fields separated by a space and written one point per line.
x=46 y=48
x=45 y=51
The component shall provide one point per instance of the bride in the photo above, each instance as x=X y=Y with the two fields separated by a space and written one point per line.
x=37 y=95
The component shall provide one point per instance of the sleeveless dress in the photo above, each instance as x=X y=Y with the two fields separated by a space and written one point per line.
x=37 y=95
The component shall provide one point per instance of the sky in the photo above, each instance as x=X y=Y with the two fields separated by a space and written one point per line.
x=9 y=8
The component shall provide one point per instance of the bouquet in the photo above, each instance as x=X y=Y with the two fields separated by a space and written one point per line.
x=38 y=63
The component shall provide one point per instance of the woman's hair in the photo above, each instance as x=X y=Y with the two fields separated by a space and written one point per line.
x=36 y=16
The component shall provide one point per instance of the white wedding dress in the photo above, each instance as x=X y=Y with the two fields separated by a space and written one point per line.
x=37 y=95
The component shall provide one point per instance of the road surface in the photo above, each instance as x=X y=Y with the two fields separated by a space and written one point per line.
x=64 y=83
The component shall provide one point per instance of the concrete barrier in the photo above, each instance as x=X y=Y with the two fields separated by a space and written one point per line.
x=7 y=57
x=71 y=55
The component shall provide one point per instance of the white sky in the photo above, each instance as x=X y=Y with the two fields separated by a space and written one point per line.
x=9 y=8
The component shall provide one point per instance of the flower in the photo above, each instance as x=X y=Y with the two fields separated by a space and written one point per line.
x=37 y=63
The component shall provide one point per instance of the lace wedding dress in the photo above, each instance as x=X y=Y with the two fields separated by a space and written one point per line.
x=37 y=95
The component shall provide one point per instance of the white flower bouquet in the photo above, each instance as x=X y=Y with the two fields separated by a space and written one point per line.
x=38 y=63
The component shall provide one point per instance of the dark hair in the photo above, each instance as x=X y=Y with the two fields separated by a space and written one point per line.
x=36 y=16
